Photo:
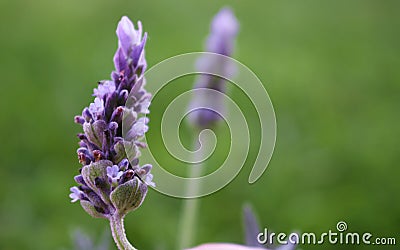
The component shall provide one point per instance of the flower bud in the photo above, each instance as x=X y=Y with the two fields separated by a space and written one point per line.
x=128 y=196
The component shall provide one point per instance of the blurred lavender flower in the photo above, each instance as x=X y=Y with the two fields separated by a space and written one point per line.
x=224 y=29
x=207 y=106
x=251 y=231
x=251 y=227
x=221 y=40
x=109 y=186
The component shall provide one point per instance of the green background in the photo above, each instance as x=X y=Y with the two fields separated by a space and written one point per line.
x=331 y=69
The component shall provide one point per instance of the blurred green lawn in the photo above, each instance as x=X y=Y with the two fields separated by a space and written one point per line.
x=331 y=69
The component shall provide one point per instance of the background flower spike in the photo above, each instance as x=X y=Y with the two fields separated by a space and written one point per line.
x=221 y=40
x=251 y=226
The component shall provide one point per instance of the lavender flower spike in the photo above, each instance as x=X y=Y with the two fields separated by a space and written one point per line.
x=109 y=186
x=221 y=39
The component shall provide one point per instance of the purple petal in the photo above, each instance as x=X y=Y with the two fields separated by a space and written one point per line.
x=104 y=88
x=97 y=108
x=147 y=168
x=119 y=174
x=251 y=227
x=149 y=180
x=225 y=23
x=119 y=62
x=137 y=53
x=144 y=106
x=224 y=28
x=75 y=194
x=126 y=34
x=139 y=128
x=123 y=164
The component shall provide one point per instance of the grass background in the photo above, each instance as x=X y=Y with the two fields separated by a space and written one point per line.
x=331 y=69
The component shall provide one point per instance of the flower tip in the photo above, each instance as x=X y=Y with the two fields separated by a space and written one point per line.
x=125 y=18
x=140 y=27
x=125 y=32
x=79 y=119
x=128 y=35
x=144 y=39
x=125 y=23
x=226 y=11
x=225 y=22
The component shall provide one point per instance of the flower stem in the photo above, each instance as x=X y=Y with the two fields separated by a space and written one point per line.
x=190 y=208
x=118 y=233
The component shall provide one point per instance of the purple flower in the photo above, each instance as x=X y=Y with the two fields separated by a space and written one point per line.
x=104 y=88
x=148 y=179
x=144 y=107
x=139 y=128
x=144 y=173
x=107 y=178
x=129 y=58
x=75 y=194
x=114 y=173
x=221 y=39
x=97 y=108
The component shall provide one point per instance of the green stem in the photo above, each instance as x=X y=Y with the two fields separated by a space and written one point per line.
x=188 y=220
x=118 y=233
x=188 y=223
